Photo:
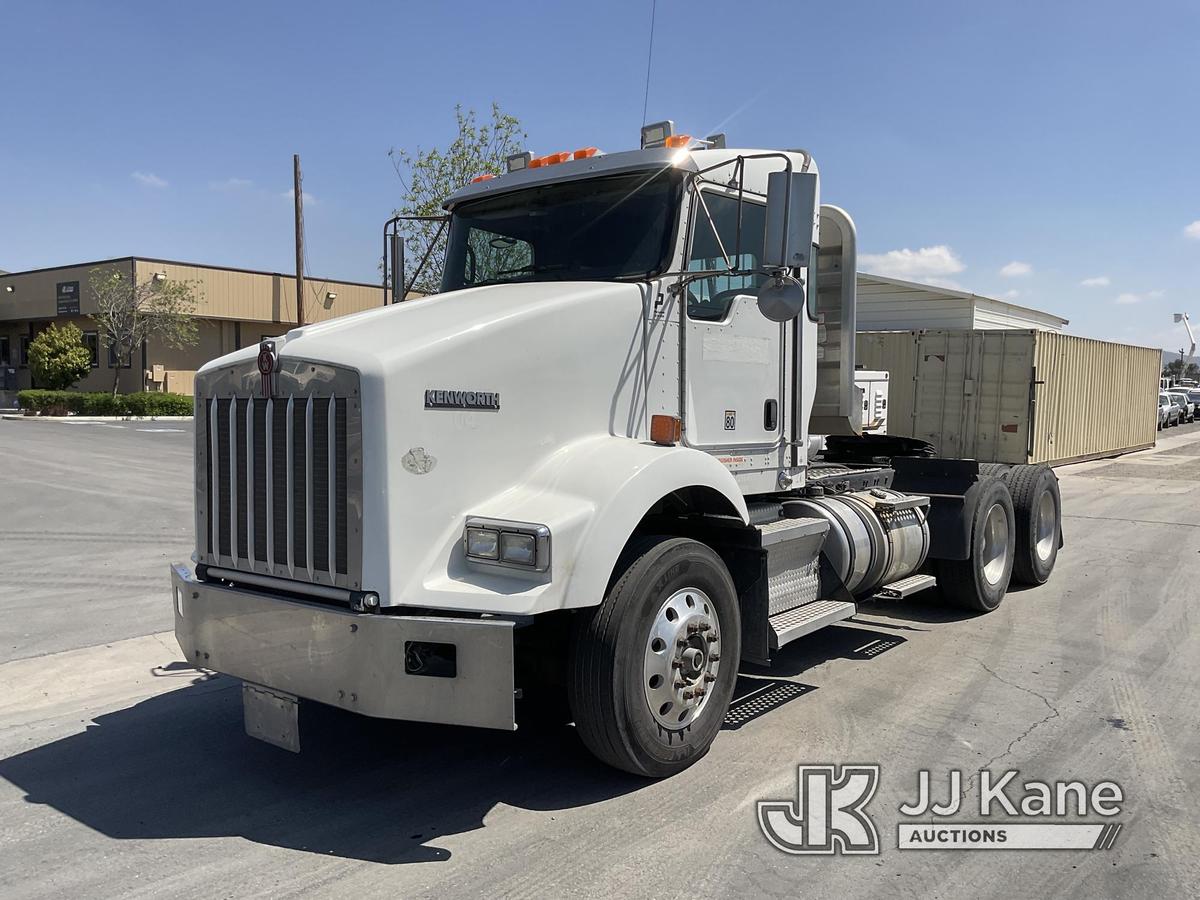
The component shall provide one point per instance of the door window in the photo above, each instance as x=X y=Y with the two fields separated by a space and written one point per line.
x=715 y=238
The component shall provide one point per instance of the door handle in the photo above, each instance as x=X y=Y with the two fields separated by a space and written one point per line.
x=771 y=415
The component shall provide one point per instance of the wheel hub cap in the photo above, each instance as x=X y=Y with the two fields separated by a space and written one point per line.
x=995 y=544
x=683 y=652
x=1047 y=526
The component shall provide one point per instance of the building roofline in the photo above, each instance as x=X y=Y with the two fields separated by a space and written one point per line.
x=179 y=262
x=961 y=295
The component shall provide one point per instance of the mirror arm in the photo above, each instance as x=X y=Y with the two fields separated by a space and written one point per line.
x=428 y=250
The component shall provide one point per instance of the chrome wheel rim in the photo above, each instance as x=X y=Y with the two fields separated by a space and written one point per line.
x=683 y=653
x=1047 y=526
x=995 y=544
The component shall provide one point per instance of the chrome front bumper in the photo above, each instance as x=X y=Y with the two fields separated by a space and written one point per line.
x=356 y=661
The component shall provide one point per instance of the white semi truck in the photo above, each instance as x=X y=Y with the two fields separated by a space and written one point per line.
x=584 y=476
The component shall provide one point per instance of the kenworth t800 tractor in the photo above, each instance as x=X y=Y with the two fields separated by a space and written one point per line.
x=618 y=455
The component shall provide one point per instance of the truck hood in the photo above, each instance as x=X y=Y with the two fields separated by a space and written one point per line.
x=460 y=399
x=428 y=325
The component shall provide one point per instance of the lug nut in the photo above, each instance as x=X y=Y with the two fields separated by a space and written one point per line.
x=689 y=694
x=703 y=626
x=711 y=638
x=709 y=676
x=677 y=664
x=714 y=657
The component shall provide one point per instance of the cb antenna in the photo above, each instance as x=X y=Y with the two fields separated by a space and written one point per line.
x=649 y=59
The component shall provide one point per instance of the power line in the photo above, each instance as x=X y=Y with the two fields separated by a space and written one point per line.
x=649 y=59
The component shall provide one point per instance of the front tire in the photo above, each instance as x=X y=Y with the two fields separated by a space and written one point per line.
x=652 y=668
x=980 y=582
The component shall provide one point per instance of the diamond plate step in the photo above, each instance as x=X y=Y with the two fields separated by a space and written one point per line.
x=905 y=587
x=795 y=623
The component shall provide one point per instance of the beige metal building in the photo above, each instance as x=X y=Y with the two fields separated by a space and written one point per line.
x=889 y=304
x=235 y=308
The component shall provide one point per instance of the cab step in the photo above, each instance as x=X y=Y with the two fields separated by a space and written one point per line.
x=802 y=620
x=905 y=587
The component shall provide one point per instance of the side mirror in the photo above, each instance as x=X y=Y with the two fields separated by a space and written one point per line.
x=792 y=210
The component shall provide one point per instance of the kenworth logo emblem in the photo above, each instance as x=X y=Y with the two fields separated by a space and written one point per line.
x=827 y=815
x=462 y=400
x=266 y=365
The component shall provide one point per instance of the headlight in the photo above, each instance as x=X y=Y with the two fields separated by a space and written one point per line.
x=515 y=545
x=519 y=549
x=483 y=543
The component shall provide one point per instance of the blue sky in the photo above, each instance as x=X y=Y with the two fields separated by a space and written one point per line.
x=1014 y=149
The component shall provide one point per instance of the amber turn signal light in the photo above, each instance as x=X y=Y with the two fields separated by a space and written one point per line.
x=665 y=430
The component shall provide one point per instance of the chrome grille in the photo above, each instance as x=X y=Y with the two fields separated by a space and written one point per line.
x=279 y=479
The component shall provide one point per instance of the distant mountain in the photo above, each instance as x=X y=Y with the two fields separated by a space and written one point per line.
x=1170 y=355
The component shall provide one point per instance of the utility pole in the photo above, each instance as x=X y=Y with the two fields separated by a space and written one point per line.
x=299 y=198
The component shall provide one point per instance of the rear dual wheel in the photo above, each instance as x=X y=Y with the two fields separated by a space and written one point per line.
x=1037 y=505
x=652 y=668
x=980 y=581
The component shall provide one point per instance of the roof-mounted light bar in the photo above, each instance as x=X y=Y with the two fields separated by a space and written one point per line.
x=662 y=134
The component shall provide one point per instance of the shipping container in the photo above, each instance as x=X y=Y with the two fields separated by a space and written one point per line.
x=1017 y=396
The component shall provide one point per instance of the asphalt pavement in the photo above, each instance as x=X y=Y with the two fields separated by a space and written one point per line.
x=124 y=772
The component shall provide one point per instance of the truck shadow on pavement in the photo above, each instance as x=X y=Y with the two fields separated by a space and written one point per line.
x=178 y=765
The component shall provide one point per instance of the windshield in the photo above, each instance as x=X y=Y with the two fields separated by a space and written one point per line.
x=597 y=229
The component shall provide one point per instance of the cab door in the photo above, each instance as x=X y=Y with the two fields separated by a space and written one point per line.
x=733 y=355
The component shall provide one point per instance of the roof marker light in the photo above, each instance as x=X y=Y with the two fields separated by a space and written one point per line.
x=479 y=178
x=554 y=159
x=585 y=152
x=677 y=141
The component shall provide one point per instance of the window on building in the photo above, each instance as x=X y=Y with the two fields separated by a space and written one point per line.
x=23 y=351
x=91 y=340
x=5 y=350
x=112 y=359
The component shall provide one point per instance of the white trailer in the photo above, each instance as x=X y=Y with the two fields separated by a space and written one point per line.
x=579 y=478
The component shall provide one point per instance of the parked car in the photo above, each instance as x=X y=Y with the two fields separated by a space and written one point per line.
x=1187 y=410
x=1194 y=396
x=1168 y=411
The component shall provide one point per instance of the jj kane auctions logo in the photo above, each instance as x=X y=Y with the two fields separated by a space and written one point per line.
x=828 y=814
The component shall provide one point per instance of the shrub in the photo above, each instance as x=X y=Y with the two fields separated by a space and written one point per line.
x=151 y=403
x=57 y=403
x=57 y=357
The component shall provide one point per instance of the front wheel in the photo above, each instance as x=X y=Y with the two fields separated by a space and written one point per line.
x=653 y=667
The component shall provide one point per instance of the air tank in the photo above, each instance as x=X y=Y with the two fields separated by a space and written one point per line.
x=875 y=537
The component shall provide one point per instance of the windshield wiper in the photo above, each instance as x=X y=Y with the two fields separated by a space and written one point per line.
x=520 y=270
x=531 y=269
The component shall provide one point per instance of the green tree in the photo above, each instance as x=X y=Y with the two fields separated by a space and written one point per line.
x=128 y=314
x=428 y=177
x=58 y=358
x=1176 y=369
